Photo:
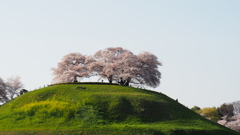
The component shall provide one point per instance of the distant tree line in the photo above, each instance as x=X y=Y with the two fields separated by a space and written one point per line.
x=11 y=88
x=114 y=64
x=228 y=114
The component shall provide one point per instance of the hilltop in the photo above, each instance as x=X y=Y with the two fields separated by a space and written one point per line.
x=102 y=109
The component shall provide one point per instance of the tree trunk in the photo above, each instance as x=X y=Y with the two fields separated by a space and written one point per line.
x=110 y=79
x=75 y=79
x=127 y=82
x=121 y=81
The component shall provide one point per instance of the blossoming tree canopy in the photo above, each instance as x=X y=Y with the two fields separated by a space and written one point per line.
x=72 y=68
x=107 y=63
x=114 y=64
x=148 y=65
x=10 y=88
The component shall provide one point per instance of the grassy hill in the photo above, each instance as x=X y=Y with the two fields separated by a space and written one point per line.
x=102 y=109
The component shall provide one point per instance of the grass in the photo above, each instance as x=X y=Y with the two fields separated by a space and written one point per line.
x=102 y=109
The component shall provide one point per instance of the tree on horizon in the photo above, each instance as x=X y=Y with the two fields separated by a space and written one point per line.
x=114 y=64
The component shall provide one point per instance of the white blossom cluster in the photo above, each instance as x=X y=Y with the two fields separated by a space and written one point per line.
x=231 y=122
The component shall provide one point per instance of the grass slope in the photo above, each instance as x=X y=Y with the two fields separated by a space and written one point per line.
x=102 y=109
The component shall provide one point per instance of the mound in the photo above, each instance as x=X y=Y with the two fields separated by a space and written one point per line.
x=101 y=109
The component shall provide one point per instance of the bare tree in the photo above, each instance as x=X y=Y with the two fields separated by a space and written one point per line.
x=3 y=92
x=13 y=86
x=71 y=69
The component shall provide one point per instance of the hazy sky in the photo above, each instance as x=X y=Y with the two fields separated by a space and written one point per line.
x=198 y=42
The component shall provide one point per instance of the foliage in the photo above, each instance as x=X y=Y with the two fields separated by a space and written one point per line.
x=195 y=108
x=23 y=91
x=209 y=113
x=230 y=115
x=46 y=109
x=101 y=109
x=225 y=110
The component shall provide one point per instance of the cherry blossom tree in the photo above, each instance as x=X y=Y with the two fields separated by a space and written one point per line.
x=71 y=69
x=114 y=64
x=127 y=69
x=122 y=66
x=231 y=122
x=106 y=63
x=13 y=86
x=10 y=88
x=148 y=64
x=230 y=113
x=141 y=69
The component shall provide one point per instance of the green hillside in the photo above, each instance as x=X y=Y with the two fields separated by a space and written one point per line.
x=102 y=109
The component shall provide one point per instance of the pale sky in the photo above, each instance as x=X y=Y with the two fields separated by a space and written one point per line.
x=197 y=41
